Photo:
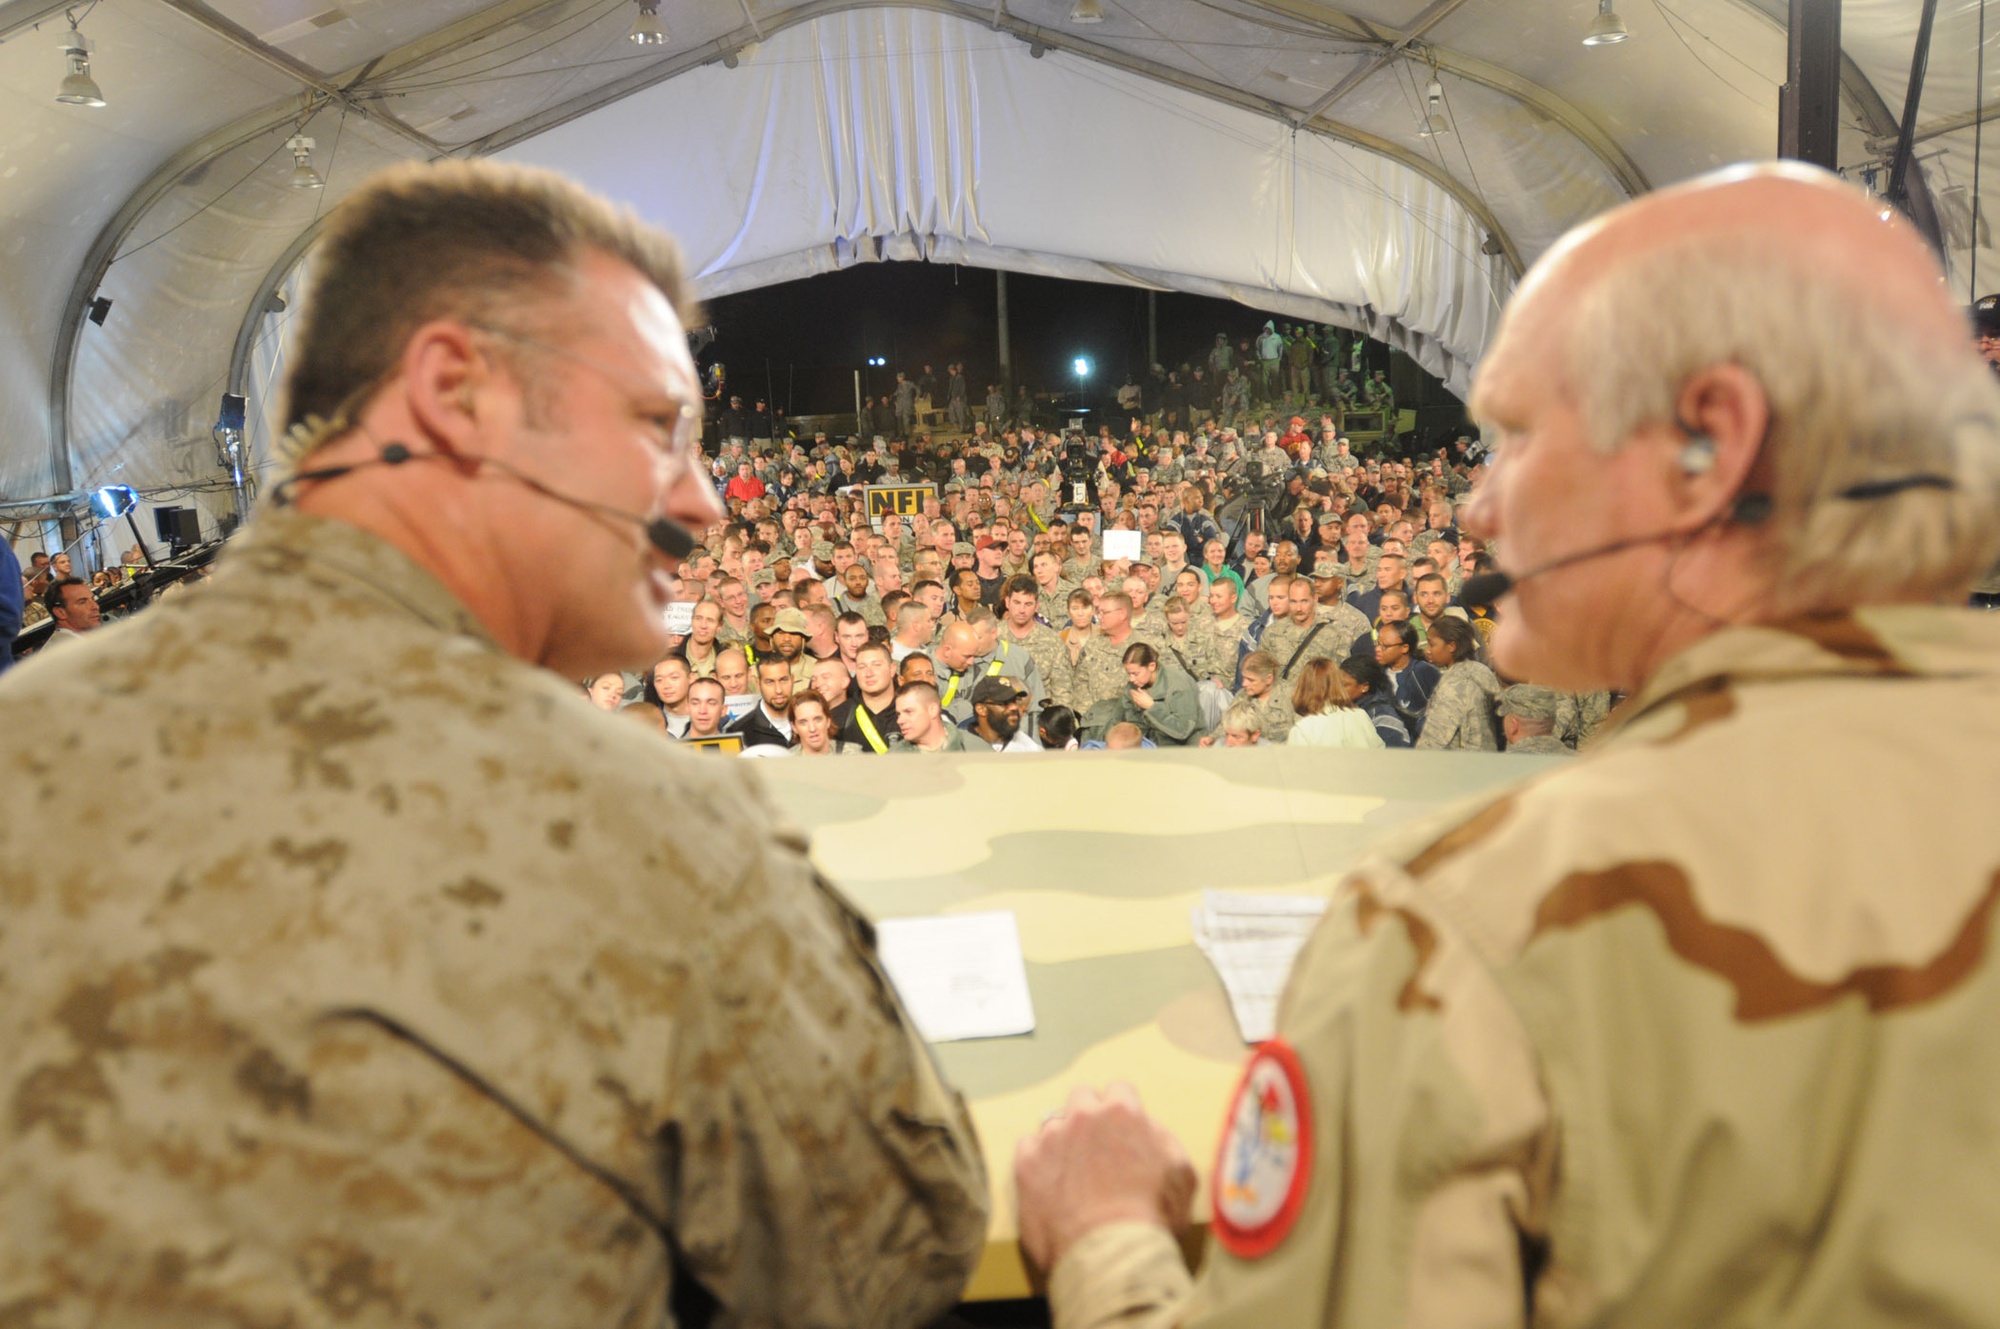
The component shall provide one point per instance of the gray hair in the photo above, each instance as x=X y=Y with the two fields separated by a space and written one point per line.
x=1853 y=398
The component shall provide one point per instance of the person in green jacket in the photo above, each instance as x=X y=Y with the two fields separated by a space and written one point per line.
x=1163 y=703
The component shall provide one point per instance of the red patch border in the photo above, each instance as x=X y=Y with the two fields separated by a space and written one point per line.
x=1254 y=1243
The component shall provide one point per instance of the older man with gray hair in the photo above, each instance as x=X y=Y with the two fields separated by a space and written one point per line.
x=1695 y=1029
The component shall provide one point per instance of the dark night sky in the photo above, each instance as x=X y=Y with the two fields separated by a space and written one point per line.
x=816 y=332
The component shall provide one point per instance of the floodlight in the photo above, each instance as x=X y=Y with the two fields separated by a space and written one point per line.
x=303 y=174
x=648 y=29
x=1082 y=366
x=1607 y=28
x=113 y=501
x=78 y=88
x=1086 y=11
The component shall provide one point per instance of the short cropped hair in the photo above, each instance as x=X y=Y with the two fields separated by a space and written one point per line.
x=483 y=242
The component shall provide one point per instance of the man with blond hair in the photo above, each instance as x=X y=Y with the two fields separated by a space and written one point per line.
x=1695 y=1029
x=411 y=989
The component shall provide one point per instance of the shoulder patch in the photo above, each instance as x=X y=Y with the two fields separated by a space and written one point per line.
x=1265 y=1159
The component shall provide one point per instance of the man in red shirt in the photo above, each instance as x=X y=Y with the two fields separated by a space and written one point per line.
x=745 y=486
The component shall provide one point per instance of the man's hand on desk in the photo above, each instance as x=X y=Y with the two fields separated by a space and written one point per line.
x=1099 y=1160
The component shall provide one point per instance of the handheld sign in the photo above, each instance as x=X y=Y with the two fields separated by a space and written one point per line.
x=900 y=500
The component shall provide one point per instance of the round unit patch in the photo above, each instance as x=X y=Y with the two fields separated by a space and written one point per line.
x=1266 y=1156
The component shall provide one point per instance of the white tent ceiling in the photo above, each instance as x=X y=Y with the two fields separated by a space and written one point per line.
x=1261 y=149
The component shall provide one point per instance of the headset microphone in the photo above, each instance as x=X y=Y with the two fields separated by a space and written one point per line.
x=666 y=535
x=1747 y=510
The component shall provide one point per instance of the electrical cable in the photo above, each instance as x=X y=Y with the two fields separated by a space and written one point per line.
x=587 y=17
x=297 y=128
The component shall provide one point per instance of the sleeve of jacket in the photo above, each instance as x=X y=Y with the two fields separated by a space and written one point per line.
x=1431 y=1146
x=822 y=1171
x=1176 y=716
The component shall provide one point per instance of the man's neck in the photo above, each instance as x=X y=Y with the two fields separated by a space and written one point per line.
x=931 y=742
x=1118 y=638
x=1020 y=631
x=879 y=701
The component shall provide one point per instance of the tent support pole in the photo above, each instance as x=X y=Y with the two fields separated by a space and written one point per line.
x=1809 y=103
x=1006 y=350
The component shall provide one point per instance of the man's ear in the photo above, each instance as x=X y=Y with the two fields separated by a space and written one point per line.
x=445 y=375
x=1722 y=416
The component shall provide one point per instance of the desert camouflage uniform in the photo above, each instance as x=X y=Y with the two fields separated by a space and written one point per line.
x=1578 y=714
x=1344 y=626
x=1460 y=712
x=727 y=635
x=1151 y=628
x=386 y=995
x=1540 y=745
x=1674 y=1034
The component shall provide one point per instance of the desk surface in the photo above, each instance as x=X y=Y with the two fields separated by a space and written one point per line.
x=1102 y=857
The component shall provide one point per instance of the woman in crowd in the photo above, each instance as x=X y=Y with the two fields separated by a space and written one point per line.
x=1460 y=713
x=813 y=727
x=1056 y=727
x=606 y=691
x=1327 y=718
x=1082 y=623
x=1367 y=685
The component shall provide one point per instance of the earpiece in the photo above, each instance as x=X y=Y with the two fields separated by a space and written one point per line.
x=1698 y=453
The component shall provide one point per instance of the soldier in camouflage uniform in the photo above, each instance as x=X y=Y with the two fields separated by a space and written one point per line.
x=1697 y=1029
x=403 y=987
x=1309 y=631
x=1578 y=714
x=1528 y=721
x=1098 y=673
x=1022 y=631
x=1052 y=590
x=1275 y=715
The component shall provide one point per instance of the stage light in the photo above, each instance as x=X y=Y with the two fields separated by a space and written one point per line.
x=78 y=88
x=648 y=29
x=304 y=177
x=1082 y=366
x=113 y=501
x=1607 y=28
x=1435 y=120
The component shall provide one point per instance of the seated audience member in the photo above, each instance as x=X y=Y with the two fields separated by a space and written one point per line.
x=1367 y=685
x=1528 y=721
x=707 y=709
x=769 y=722
x=870 y=725
x=1161 y=703
x=663 y=694
x=916 y=669
x=1056 y=727
x=920 y=721
x=1126 y=736
x=998 y=707
x=1328 y=717
x=732 y=670
x=1411 y=678
x=1460 y=713
x=1242 y=727
x=606 y=692
x=70 y=603
x=813 y=723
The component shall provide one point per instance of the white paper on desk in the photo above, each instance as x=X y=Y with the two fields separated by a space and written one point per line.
x=680 y=617
x=1124 y=544
x=1252 y=940
x=961 y=975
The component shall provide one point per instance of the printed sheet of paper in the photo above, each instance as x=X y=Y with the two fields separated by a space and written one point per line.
x=961 y=975
x=1124 y=544
x=1252 y=940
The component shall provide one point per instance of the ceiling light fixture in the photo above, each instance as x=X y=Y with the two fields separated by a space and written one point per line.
x=1436 y=122
x=303 y=174
x=1607 y=28
x=78 y=88
x=648 y=29
x=1086 y=11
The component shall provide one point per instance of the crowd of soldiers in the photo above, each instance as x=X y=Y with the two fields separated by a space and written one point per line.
x=1023 y=589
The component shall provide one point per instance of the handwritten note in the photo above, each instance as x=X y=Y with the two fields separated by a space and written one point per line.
x=1124 y=544
x=961 y=975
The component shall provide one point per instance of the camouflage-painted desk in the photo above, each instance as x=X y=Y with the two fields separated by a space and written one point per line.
x=1102 y=857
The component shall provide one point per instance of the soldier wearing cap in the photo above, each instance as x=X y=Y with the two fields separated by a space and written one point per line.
x=1986 y=329
x=1696 y=1029
x=1528 y=720
x=789 y=632
x=404 y=987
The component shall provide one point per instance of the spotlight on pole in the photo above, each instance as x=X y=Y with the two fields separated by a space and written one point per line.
x=648 y=29
x=1082 y=366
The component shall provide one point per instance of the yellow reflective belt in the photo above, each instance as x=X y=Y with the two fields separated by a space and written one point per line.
x=1036 y=517
x=951 y=691
x=868 y=729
